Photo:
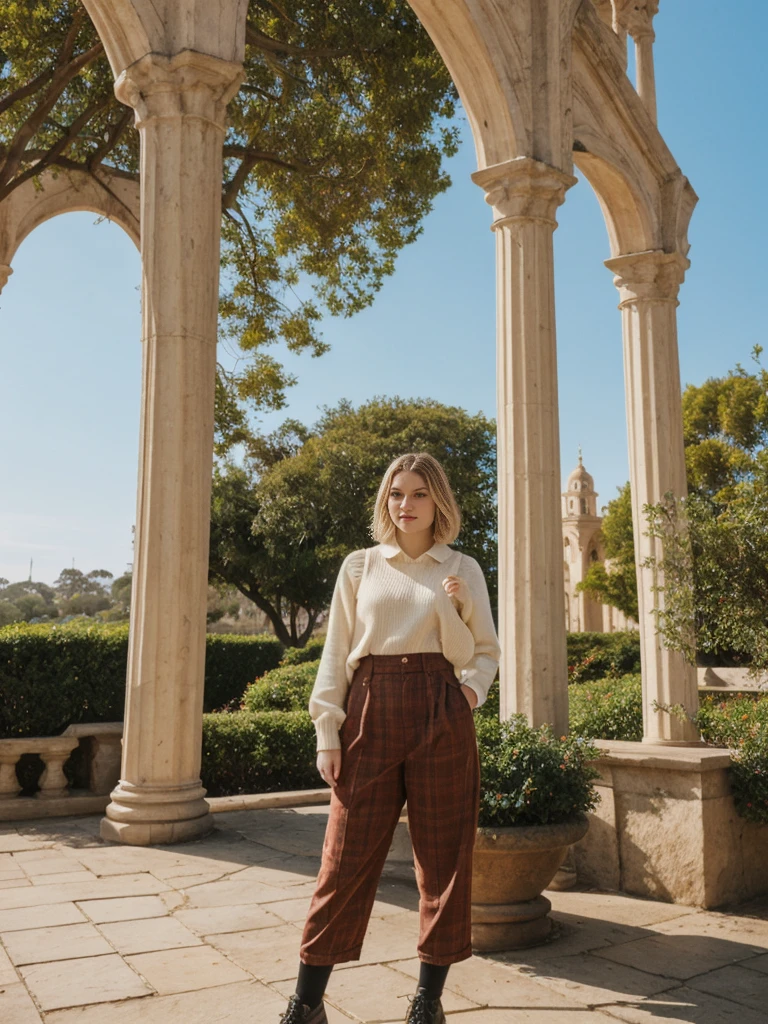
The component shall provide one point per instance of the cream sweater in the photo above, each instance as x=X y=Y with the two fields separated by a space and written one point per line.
x=386 y=602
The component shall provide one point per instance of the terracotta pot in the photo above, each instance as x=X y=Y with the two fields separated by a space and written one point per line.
x=510 y=868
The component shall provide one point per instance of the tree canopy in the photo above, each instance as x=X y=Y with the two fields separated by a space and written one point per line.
x=332 y=157
x=282 y=524
x=715 y=541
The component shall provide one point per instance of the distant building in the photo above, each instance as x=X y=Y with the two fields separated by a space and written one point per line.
x=582 y=545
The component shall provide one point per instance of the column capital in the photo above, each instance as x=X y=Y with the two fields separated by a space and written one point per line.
x=523 y=189
x=189 y=84
x=652 y=275
x=636 y=17
x=5 y=273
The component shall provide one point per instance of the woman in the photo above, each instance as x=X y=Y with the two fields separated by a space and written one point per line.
x=411 y=649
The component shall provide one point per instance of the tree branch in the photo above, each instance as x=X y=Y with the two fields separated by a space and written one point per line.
x=265 y=42
x=25 y=90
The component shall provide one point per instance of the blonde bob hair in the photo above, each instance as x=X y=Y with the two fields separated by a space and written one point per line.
x=447 y=516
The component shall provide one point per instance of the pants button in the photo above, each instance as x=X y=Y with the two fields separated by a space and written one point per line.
x=403 y=659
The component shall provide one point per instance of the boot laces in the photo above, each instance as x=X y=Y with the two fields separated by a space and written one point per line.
x=295 y=1012
x=423 y=1010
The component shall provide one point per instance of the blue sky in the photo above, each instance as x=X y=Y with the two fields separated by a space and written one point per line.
x=69 y=316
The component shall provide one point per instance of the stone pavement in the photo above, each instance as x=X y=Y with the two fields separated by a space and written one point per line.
x=95 y=933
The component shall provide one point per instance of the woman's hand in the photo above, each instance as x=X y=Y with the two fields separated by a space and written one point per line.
x=329 y=765
x=456 y=588
x=470 y=694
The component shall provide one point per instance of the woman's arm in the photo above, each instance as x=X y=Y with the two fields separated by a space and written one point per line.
x=480 y=670
x=328 y=697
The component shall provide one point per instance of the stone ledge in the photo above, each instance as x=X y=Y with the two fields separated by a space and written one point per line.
x=646 y=755
x=77 y=802
x=258 y=801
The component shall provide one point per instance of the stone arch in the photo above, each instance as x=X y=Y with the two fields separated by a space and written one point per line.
x=35 y=202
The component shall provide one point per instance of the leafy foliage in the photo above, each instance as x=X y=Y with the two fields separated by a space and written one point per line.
x=286 y=688
x=608 y=709
x=281 y=527
x=529 y=777
x=311 y=651
x=601 y=655
x=331 y=160
x=52 y=676
x=261 y=752
x=615 y=582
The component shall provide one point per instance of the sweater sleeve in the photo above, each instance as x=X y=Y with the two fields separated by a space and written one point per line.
x=328 y=697
x=480 y=670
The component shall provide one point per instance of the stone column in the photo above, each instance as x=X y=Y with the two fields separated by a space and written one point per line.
x=525 y=194
x=637 y=19
x=648 y=284
x=180 y=105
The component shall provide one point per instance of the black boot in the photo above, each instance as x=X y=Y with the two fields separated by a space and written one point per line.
x=300 y=1013
x=423 y=1010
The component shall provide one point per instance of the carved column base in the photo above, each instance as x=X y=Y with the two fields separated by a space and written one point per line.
x=5 y=273
x=144 y=815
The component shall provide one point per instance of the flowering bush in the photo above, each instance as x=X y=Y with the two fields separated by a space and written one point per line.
x=530 y=777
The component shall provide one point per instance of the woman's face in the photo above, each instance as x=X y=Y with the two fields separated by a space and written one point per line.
x=411 y=506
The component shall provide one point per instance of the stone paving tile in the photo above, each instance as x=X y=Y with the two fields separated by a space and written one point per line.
x=569 y=937
x=747 y=931
x=213 y=920
x=16 y=1006
x=44 y=862
x=228 y=894
x=8 y=973
x=749 y=988
x=39 y=917
x=593 y=980
x=621 y=909
x=507 y=1016
x=149 y=935
x=758 y=963
x=126 y=908
x=291 y=910
x=183 y=970
x=676 y=956
x=243 y=1003
x=184 y=882
x=14 y=883
x=93 y=979
x=269 y=954
x=142 y=884
x=488 y=983
x=375 y=992
x=683 y=1006
x=11 y=842
x=67 y=942
x=61 y=878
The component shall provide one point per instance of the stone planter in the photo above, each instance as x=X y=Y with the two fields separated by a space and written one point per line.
x=511 y=867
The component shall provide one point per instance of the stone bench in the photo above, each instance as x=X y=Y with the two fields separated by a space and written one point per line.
x=102 y=742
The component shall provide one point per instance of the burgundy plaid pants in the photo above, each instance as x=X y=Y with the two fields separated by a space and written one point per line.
x=409 y=734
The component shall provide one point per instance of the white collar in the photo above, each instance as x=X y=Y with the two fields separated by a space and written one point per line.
x=439 y=552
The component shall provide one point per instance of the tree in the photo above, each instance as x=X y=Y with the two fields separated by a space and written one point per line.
x=332 y=157
x=32 y=600
x=615 y=583
x=282 y=524
x=79 y=593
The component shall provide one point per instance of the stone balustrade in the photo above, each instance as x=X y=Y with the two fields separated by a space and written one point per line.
x=102 y=743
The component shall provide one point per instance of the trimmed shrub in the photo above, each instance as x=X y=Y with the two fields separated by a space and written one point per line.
x=232 y=661
x=262 y=752
x=610 y=709
x=52 y=676
x=311 y=651
x=286 y=688
x=602 y=655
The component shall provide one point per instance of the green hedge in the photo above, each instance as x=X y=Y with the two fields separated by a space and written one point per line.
x=286 y=688
x=593 y=656
x=52 y=676
x=609 y=709
x=261 y=752
x=310 y=652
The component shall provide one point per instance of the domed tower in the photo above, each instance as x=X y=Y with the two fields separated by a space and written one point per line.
x=581 y=547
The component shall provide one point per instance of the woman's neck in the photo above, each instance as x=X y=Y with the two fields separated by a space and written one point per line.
x=414 y=544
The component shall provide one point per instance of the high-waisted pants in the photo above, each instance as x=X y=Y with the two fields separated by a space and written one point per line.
x=409 y=734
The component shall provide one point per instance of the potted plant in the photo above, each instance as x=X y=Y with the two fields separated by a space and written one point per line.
x=535 y=790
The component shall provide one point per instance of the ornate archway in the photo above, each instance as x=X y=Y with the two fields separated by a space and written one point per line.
x=539 y=79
